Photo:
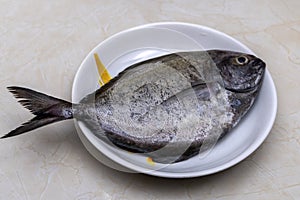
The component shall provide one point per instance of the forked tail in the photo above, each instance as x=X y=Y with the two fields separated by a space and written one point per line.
x=46 y=108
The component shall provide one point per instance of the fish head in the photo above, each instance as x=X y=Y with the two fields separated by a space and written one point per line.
x=240 y=72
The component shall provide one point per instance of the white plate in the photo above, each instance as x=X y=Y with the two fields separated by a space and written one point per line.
x=144 y=42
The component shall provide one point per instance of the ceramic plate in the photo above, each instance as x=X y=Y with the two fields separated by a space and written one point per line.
x=152 y=40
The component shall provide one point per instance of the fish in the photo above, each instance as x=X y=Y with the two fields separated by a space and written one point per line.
x=170 y=108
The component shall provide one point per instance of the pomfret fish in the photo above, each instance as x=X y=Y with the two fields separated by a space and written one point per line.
x=167 y=107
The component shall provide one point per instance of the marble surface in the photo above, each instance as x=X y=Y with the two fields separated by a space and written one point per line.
x=42 y=44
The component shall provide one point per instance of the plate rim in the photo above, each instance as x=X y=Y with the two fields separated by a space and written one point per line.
x=237 y=159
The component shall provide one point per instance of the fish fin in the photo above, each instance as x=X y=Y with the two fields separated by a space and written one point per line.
x=34 y=123
x=46 y=108
x=34 y=101
x=113 y=80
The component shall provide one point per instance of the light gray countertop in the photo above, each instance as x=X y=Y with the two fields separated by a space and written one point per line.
x=42 y=44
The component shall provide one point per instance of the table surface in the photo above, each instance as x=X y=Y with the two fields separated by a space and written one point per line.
x=42 y=44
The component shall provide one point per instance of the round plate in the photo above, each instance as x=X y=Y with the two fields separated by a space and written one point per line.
x=148 y=41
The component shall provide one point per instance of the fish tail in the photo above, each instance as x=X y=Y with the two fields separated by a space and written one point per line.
x=46 y=109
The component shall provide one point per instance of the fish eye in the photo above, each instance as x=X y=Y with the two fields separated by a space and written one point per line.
x=242 y=60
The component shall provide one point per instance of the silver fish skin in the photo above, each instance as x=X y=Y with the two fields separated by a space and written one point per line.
x=170 y=107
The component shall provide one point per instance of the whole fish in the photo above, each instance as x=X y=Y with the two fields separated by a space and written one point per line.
x=169 y=107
